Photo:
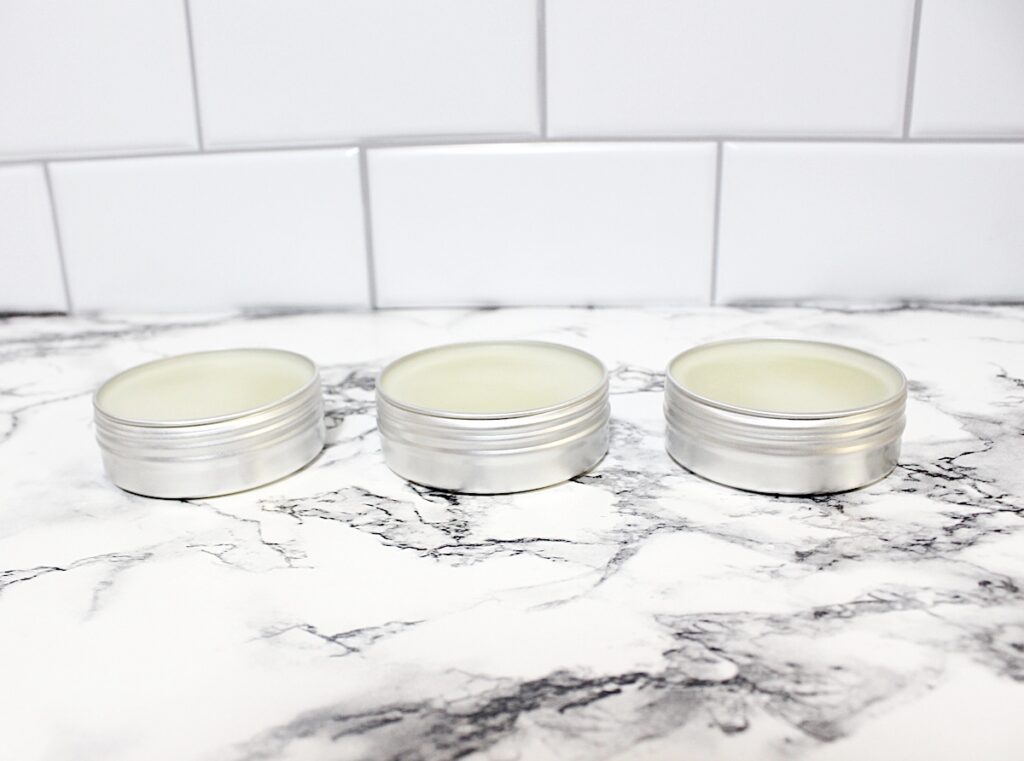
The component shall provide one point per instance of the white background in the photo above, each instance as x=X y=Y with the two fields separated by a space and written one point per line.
x=172 y=155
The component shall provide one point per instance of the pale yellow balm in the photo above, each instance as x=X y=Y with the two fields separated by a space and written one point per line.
x=204 y=386
x=494 y=378
x=786 y=377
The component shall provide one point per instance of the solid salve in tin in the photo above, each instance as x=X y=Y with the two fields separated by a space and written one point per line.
x=784 y=416
x=208 y=423
x=493 y=417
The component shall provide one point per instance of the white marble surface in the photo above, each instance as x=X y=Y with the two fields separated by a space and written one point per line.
x=636 y=613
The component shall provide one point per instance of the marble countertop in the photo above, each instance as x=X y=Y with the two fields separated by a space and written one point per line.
x=637 y=612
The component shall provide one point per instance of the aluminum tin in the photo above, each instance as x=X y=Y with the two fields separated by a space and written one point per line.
x=495 y=454
x=778 y=453
x=207 y=457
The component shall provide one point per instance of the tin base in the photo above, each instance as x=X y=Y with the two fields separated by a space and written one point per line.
x=504 y=473
x=782 y=474
x=214 y=478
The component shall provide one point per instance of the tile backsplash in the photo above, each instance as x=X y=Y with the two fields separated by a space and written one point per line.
x=896 y=221
x=797 y=68
x=970 y=69
x=531 y=224
x=94 y=77
x=213 y=154
x=283 y=228
x=287 y=72
x=31 y=279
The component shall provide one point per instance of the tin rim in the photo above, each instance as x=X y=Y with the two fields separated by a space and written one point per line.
x=314 y=379
x=436 y=413
x=675 y=385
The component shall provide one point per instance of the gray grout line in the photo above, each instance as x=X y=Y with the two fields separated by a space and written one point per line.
x=175 y=153
x=55 y=220
x=195 y=77
x=915 y=39
x=455 y=141
x=428 y=142
x=542 y=66
x=57 y=158
x=371 y=269
x=716 y=224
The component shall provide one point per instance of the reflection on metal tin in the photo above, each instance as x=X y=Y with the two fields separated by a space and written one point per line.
x=784 y=416
x=493 y=417
x=209 y=423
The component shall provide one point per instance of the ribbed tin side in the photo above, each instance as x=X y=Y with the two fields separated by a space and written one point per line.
x=779 y=454
x=495 y=454
x=219 y=457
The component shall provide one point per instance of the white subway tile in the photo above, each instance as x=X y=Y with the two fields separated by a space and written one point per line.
x=871 y=222
x=276 y=72
x=81 y=77
x=30 y=272
x=543 y=224
x=970 y=69
x=215 y=231
x=733 y=67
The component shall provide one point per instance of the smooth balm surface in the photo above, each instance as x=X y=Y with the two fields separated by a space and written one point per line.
x=779 y=376
x=204 y=385
x=491 y=378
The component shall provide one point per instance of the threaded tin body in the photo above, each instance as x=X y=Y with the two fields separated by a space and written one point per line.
x=215 y=455
x=783 y=452
x=495 y=453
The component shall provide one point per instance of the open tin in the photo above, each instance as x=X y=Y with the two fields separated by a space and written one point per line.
x=209 y=423
x=493 y=417
x=784 y=416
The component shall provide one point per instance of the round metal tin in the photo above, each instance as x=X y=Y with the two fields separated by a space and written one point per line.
x=784 y=453
x=476 y=453
x=215 y=455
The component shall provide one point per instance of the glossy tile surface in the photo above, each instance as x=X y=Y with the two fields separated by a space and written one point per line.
x=84 y=77
x=737 y=67
x=871 y=222
x=243 y=230
x=543 y=224
x=283 y=72
x=30 y=270
x=970 y=69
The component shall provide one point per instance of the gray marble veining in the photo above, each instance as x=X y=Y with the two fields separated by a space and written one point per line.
x=637 y=612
